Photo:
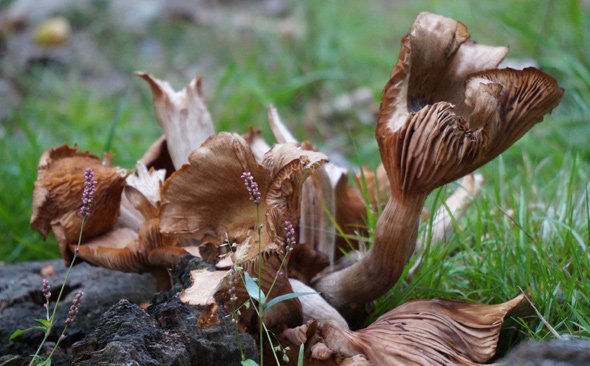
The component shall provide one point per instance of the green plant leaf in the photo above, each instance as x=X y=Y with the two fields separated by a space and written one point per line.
x=18 y=332
x=253 y=289
x=300 y=357
x=46 y=323
x=249 y=362
x=284 y=297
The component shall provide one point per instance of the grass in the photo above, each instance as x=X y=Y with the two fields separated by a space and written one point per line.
x=530 y=228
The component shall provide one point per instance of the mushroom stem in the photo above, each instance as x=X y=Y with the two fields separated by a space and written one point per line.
x=375 y=273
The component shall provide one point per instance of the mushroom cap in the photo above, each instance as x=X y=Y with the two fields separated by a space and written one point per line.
x=427 y=332
x=183 y=115
x=135 y=243
x=158 y=157
x=206 y=198
x=57 y=196
x=445 y=111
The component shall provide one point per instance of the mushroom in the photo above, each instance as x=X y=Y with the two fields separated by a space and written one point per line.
x=183 y=116
x=57 y=196
x=158 y=157
x=206 y=200
x=426 y=332
x=445 y=112
x=135 y=243
x=316 y=227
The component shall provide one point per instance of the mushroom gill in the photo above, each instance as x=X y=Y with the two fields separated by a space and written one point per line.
x=426 y=332
x=57 y=196
x=445 y=112
x=134 y=243
x=206 y=200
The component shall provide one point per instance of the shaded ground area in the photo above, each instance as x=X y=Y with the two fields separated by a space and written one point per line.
x=21 y=300
x=119 y=322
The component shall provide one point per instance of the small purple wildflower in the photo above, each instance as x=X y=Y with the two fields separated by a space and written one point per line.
x=88 y=192
x=289 y=235
x=74 y=308
x=46 y=293
x=232 y=283
x=251 y=186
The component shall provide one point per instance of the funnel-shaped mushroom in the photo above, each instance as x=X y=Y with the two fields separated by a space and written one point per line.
x=57 y=196
x=183 y=116
x=206 y=200
x=444 y=113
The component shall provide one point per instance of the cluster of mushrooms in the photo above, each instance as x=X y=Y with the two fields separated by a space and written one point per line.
x=446 y=110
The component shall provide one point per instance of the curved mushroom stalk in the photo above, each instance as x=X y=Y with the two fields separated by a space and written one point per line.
x=440 y=118
x=435 y=332
x=57 y=196
x=183 y=116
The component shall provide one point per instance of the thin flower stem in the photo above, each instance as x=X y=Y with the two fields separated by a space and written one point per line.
x=240 y=345
x=61 y=290
x=260 y=304
x=58 y=341
x=267 y=335
x=274 y=281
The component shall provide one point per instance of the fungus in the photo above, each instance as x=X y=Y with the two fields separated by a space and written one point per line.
x=183 y=115
x=445 y=112
x=316 y=227
x=134 y=243
x=426 y=332
x=206 y=200
x=57 y=196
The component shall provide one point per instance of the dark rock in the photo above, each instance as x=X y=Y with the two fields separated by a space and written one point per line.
x=558 y=352
x=165 y=334
x=21 y=301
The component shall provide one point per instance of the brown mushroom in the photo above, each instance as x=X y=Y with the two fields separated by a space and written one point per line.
x=183 y=116
x=135 y=243
x=440 y=118
x=157 y=156
x=206 y=200
x=433 y=332
x=57 y=196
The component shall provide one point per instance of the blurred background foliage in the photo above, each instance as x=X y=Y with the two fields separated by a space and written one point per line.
x=302 y=56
